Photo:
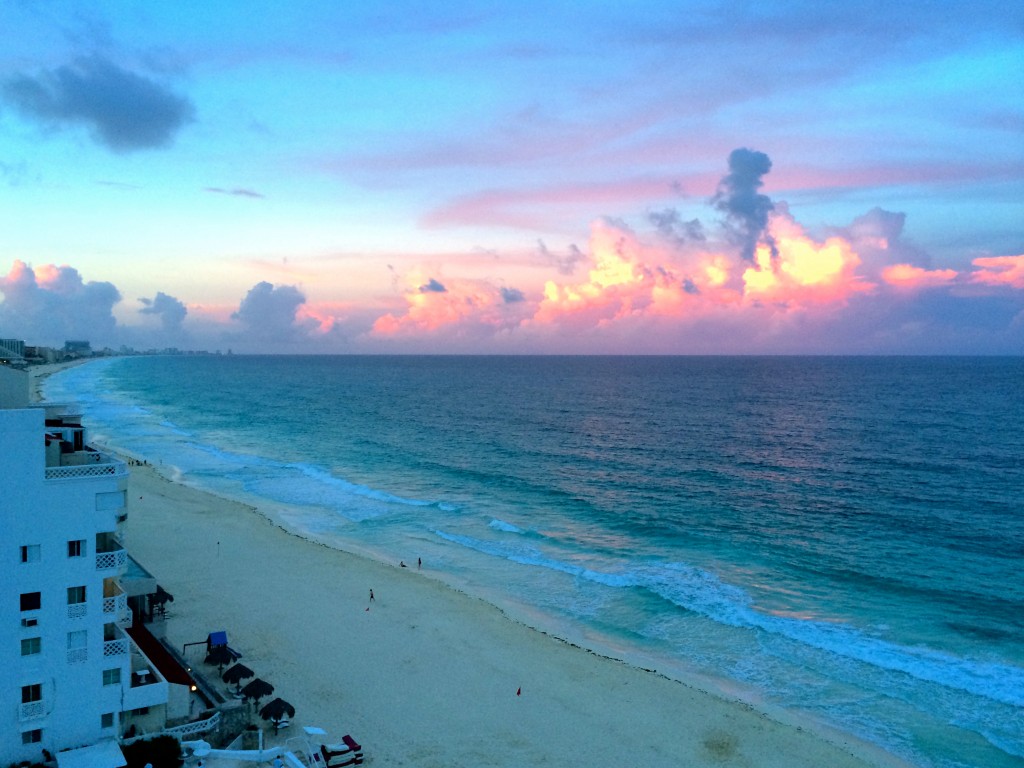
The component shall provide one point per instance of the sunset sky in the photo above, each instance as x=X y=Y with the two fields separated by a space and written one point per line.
x=557 y=177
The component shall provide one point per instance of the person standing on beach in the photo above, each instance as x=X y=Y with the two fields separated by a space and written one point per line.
x=371 y=595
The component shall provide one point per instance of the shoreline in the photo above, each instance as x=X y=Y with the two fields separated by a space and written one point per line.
x=428 y=674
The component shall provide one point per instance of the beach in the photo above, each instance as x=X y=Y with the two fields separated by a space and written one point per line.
x=426 y=675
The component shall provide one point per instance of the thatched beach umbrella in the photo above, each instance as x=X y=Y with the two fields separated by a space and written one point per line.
x=276 y=711
x=235 y=675
x=220 y=655
x=256 y=689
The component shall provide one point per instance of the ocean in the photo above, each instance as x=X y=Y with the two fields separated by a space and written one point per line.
x=837 y=537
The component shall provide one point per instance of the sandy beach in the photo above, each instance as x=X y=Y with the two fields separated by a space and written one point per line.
x=425 y=675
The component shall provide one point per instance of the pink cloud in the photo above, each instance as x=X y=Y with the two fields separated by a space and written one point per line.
x=1000 y=270
x=907 y=276
x=460 y=306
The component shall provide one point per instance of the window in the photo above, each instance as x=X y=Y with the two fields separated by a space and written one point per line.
x=76 y=548
x=30 y=601
x=32 y=737
x=31 y=646
x=30 y=693
x=30 y=553
x=107 y=720
x=112 y=676
x=76 y=595
x=77 y=639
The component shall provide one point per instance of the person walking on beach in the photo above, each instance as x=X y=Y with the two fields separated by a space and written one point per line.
x=371 y=595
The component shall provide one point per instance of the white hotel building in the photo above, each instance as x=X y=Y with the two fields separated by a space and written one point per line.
x=71 y=677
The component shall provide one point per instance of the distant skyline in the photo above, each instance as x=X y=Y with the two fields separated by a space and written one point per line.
x=692 y=178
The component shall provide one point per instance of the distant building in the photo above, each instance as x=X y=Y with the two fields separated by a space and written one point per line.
x=77 y=349
x=71 y=675
x=12 y=352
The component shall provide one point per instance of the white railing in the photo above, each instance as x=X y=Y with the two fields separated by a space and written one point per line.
x=32 y=710
x=194 y=728
x=77 y=610
x=109 y=469
x=115 y=648
x=115 y=559
x=78 y=655
x=180 y=732
x=116 y=606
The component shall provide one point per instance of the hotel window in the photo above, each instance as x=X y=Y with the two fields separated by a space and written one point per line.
x=32 y=737
x=112 y=676
x=30 y=646
x=76 y=548
x=30 y=693
x=30 y=553
x=30 y=601
x=107 y=720
x=76 y=595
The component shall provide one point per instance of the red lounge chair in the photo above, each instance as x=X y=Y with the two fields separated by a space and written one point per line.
x=352 y=755
x=354 y=758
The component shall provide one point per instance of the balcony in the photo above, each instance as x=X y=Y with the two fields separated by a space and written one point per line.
x=32 y=710
x=115 y=642
x=88 y=463
x=114 y=559
x=115 y=608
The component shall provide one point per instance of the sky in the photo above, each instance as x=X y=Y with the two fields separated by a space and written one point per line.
x=513 y=178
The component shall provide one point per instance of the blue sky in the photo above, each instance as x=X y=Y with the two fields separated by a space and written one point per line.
x=692 y=177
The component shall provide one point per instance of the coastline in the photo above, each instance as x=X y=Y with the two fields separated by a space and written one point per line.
x=430 y=675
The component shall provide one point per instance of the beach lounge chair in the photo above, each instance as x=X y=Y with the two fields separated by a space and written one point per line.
x=337 y=755
x=335 y=758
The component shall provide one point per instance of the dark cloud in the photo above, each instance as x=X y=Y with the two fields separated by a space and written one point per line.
x=745 y=209
x=234 y=192
x=565 y=264
x=124 y=110
x=57 y=307
x=269 y=312
x=171 y=311
x=671 y=226
x=433 y=286
x=512 y=295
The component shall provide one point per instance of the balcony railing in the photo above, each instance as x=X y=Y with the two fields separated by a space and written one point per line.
x=32 y=710
x=115 y=647
x=116 y=607
x=77 y=610
x=118 y=558
x=77 y=655
x=109 y=468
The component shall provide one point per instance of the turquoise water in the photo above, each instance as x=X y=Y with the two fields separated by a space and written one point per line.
x=842 y=537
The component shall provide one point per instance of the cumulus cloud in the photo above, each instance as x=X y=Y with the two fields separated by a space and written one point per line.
x=124 y=110
x=272 y=313
x=463 y=309
x=170 y=311
x=745 y=209
x=51 y=304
